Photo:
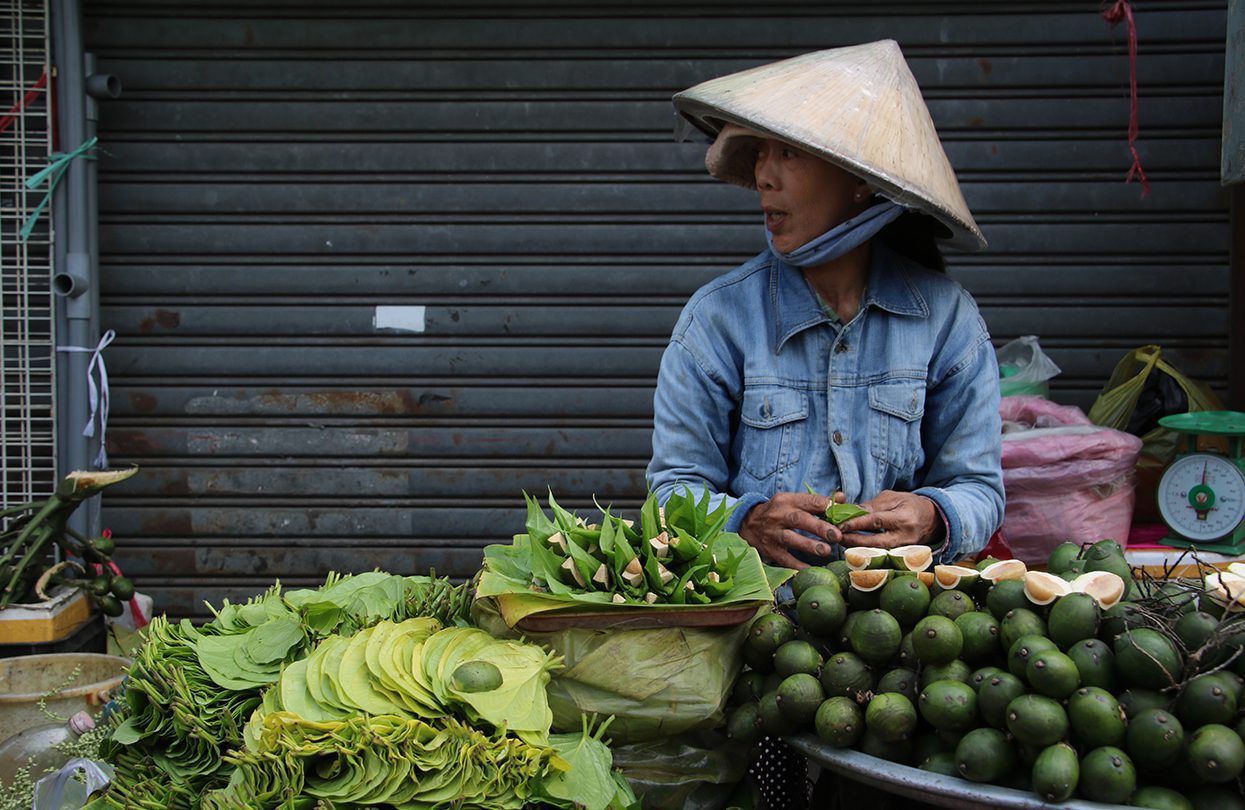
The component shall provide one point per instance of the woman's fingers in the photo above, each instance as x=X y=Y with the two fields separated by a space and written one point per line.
x=795 y=540
x=783 y=558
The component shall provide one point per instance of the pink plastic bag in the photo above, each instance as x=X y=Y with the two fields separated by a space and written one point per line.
x=1064 y=477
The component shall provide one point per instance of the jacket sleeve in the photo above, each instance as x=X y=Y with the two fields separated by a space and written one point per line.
x=693 y=412
x=963 y=473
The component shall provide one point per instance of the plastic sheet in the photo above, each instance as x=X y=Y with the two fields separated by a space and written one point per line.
x=692 y=771
x=1064 y=478
x=656 y=682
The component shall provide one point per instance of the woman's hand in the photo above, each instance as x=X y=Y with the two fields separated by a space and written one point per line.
x=774 y=527
x=896 y=518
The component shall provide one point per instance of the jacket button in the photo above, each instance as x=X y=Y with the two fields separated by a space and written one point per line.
x=840 y=347
x=838 y=437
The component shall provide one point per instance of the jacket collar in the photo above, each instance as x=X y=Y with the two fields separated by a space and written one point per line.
x=795 y=305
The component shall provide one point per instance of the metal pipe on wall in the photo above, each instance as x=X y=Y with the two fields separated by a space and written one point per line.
x=75 y=274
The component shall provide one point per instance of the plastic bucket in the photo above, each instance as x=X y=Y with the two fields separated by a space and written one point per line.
x=27 y=678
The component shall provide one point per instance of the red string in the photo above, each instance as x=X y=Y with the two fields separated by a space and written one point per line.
x=31 y=94
x=1123 y=10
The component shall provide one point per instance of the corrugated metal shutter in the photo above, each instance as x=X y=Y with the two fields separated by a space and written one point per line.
x=278 y=171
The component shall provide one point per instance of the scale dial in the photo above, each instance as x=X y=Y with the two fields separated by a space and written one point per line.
x=1202 y=497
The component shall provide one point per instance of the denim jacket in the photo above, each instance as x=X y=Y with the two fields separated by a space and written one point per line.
x=760 y=392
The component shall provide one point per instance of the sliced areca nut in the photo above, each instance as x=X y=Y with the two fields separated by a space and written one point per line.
x=602 y=576
x=1226 y=586
x=660 y=545
x=556 y=539
x=569 y=565
x=689 y=586
x=911 y=558
x=864 y=557
x=1042 y=588
x=618 y=599
x=869 y=580
x=1106 y=588
x=634 y=572
x=628 y=522
x=651 y=598
x=713 y=577
x=1004 y=569
x=665 y=574
x=954 y=577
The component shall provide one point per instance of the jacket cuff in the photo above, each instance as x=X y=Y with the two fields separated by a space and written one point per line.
x=743 y=506
x=950 y=550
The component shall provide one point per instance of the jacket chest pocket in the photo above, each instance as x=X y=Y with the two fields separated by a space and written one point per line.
x=772 y=425
x=895 y=411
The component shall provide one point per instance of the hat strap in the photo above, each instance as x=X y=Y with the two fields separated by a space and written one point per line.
x=842 y=238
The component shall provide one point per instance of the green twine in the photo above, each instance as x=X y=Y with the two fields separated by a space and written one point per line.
x=58 y=165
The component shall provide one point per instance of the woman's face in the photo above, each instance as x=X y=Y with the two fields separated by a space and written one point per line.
x=802 y=195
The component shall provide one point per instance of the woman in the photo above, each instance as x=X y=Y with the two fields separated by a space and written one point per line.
x=841 y=358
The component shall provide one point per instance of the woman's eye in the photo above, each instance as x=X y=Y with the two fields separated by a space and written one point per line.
x=789 y=153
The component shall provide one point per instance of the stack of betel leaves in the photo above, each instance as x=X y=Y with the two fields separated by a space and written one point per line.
x=676 y=557
x=368 y=691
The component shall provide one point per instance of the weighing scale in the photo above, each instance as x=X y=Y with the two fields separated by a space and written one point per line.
x=1202 y=494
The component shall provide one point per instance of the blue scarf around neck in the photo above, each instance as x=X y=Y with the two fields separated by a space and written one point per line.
x=842 y=238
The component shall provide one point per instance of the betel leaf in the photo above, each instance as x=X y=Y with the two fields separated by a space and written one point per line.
x=538 y=525
x=650 y=521
x=586 y=564
x=543 y=562
x=589 y=782
x=685 y=545
x=838 y=513
x=564 y=520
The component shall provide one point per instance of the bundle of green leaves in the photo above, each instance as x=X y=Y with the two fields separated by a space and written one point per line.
x=678 y=555
x=364 y=691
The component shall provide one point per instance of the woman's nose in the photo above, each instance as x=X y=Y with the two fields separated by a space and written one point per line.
x=764 y=173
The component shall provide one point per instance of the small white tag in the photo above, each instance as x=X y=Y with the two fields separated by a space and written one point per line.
x=399 y=319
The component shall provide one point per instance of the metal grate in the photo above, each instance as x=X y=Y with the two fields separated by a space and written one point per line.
x=27 y=434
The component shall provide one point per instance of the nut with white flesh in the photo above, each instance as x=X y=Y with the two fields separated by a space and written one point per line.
x=556 y=539
x=1106 y=588
x=665 y=574
x=1003 y=570
x=1042 y=588
x=569 y=565
x=714 y=577
x=618 y=599
x=602 y=576
x=689 y=586
x=651 y=598
x=634 y=573
x=660 y=545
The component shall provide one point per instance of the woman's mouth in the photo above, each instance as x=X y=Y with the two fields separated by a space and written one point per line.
x=774 y=219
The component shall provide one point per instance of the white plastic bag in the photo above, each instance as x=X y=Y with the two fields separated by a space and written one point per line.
x=62 y=791
x=1024 y=368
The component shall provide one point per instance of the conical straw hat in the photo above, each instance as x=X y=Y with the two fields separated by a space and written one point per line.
x=857 y=107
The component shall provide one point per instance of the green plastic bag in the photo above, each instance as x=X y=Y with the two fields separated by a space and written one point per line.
x=657 y=682
x=1117 y=406
x=1142 y=389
